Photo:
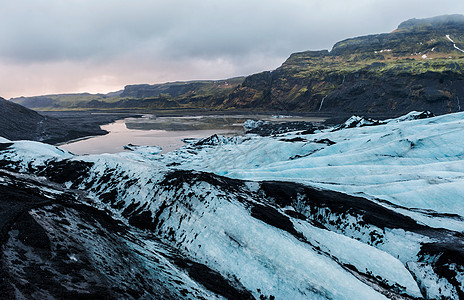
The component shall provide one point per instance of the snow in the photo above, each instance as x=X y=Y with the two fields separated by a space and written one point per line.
x=384 y=50
x=454 y=44
x=72 y=257
x=457 y=48
x=436 y=288
x=255 y=252
x=144 y=150
x=356 y=121
x=449 y=38
x=369 y=259
x=29 y=153
x=411 y=163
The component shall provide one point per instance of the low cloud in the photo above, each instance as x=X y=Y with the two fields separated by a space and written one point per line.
x=63 y=46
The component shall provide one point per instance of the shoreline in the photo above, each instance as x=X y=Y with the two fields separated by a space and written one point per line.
x=87 y=124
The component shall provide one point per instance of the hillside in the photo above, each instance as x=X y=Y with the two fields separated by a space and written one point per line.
x=21 y=123
x=418 y=66
x=172 y=95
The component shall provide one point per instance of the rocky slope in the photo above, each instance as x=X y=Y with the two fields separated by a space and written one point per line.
x=54 y=245
x=19 y=123
x=364 y=210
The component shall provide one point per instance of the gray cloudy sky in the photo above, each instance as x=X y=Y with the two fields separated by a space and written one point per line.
x=56 y=46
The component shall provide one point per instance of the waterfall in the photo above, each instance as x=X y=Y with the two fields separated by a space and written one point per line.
x=322 y=102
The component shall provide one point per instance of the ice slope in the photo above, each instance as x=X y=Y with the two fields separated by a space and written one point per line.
x=247 y=208
x=54 y=246
x=414 y=164
x=219 y=223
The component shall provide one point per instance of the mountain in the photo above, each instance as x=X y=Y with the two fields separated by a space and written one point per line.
x=364 y=210
x=418 y=66
x=172 y=95
x=63 y=101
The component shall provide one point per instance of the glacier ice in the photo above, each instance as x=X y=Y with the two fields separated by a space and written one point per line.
x=366 y=211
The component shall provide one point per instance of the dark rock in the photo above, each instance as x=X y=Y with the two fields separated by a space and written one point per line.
x=177 y=178
x=4 y=146
x=213 y=280
x=19 y=123
x=268 y=129
x=325 y=141
x=273 y=217
x=295 y=214
x=66 y=170
x=209 y=141
x=142 y=220
x=287 y=194
x=295 y=139
x=434 y=95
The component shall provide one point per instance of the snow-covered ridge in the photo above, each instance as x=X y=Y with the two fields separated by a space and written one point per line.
x=361 y=121
x=251 y=208
x=404 y=162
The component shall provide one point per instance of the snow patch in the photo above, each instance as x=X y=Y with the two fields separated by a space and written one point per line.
x=449 y=38
x=72 y=257
x=454 y=44
x=384 y=50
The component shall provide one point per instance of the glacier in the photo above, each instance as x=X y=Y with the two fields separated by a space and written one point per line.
x=364 y=210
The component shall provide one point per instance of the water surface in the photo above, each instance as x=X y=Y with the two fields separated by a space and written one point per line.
x=165 y=132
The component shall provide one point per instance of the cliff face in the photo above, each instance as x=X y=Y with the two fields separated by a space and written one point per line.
x=416 y=67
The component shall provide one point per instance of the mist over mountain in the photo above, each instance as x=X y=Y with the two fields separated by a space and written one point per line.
x=419 y=66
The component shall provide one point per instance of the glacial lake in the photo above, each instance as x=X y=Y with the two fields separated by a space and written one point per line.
x=166 y=132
